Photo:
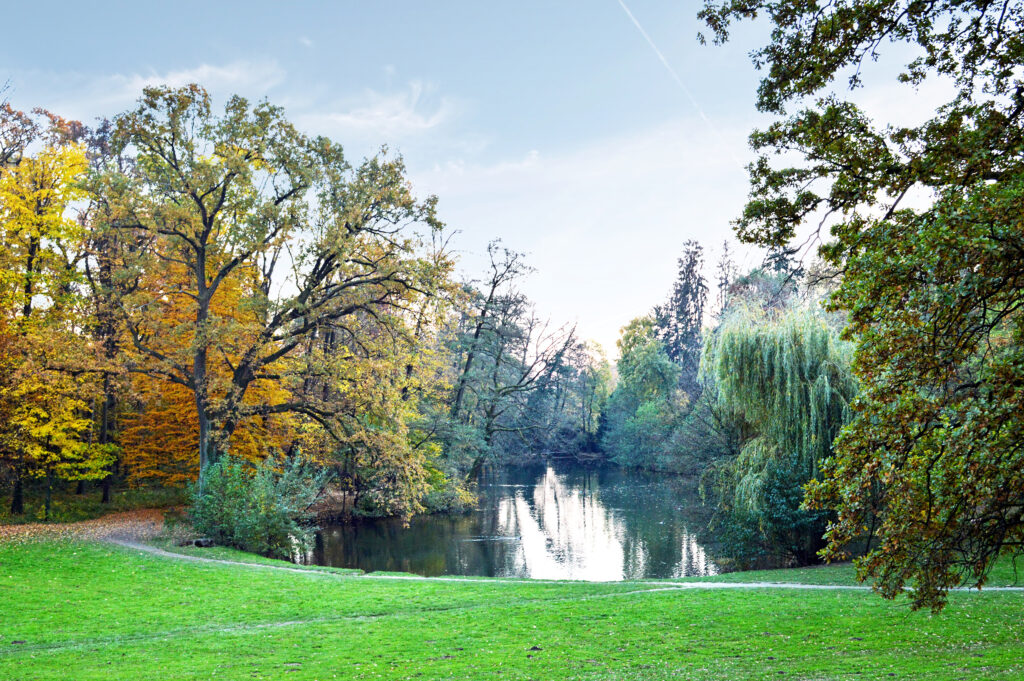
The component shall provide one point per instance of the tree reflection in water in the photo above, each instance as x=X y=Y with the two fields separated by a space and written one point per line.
x=554 y=521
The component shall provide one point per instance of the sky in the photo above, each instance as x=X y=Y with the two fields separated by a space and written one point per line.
x=595 y=137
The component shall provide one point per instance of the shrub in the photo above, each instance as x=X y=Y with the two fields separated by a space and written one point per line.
x=262 y=509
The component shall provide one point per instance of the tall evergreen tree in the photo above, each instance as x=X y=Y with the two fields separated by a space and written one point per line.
x=679 y=321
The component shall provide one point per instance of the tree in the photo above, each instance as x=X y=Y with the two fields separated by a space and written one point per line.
x=593 y=387
x=301 y=277
x=679 y=321
x=107 y=284
x=725 y=276
x=507 y=266
x=642 y=410
x=159 y=425
x=787 y=378
x=513 y=361
x=934 y=289
x=44 y=396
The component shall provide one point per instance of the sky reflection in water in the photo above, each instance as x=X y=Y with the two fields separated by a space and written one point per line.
x=562 y=521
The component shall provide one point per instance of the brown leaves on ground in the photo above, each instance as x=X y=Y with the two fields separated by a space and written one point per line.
x=138 y=525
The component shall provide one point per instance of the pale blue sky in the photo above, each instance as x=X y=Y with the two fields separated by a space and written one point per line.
x=552 y=125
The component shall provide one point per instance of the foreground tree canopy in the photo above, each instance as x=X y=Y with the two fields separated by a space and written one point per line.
x=935 y=449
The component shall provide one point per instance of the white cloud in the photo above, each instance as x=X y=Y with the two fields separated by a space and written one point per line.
x=603 y=224
x=239 y=75
x=391 y=117
x=85 y=98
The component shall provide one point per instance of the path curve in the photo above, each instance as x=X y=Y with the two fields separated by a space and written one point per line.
x=666 y=585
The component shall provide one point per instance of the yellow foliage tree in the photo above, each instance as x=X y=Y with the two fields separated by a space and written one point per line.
x=47 y=426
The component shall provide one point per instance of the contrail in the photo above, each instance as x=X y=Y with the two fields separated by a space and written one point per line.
x=676 y=78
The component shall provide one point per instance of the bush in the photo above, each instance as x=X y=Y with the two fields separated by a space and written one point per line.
x=262 y=509
x=770 y=529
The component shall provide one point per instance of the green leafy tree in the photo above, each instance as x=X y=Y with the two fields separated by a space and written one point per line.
x=785 y=376
x=263 y=508
x=934 y=289
x=643 y=409
x=512 y=370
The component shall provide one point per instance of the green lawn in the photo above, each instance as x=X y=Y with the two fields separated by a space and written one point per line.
x=89 y=611
x=1004 y=573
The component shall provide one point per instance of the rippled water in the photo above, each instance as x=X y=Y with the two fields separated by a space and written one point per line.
x=563 y=521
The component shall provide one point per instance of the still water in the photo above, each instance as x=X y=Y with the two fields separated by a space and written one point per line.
x=552 y=521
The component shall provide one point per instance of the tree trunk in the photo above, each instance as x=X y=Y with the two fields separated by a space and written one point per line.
x=476 y=468
x=108 y=400
x=49 y=495
x=471 y=353
x=204 y=439
x=478 y=462
x=199 y=386
x=18 y=497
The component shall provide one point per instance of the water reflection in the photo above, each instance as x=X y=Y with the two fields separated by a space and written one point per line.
x=547 y=522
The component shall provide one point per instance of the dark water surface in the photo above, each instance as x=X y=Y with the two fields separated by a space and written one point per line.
x=553 y=521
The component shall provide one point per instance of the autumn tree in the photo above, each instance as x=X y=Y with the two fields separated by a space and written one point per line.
x=326 y=263
x=926 y=231
x=45 y=393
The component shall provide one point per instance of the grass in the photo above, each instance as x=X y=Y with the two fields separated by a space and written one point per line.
x=90 y=611
x=1004 y=573
x=227 y=553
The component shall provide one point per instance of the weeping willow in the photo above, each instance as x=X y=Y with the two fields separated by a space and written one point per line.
x=785 y=376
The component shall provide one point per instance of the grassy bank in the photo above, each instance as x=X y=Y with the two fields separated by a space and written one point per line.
x=74 y=610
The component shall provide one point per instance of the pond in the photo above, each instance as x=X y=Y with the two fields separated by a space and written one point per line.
x=551 y=521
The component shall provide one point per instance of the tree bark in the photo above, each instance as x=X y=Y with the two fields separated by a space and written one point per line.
x=199 y=366
x=18 y=497
x=105 y=409
x=49 y=495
